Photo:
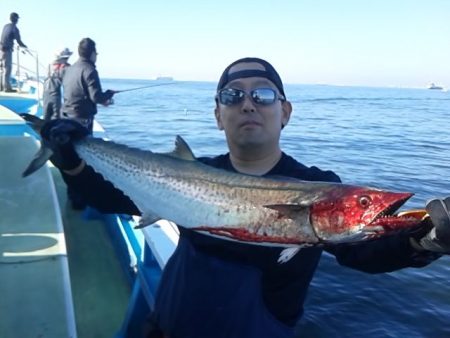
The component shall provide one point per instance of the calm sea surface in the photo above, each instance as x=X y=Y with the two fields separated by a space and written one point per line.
x=390 y=138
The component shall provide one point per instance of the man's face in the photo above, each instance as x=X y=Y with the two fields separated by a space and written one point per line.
x=247 y=123
x=93 y=57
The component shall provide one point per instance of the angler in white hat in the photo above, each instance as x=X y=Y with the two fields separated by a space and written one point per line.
x=52 y=85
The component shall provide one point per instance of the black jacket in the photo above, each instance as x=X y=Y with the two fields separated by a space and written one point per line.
x=9 y=34
x=284 y=286
x=82 y=90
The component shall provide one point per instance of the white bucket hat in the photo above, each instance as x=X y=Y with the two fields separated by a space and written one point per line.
x=61 y=54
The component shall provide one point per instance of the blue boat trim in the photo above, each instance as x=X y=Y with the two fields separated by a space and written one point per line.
x=142 y=254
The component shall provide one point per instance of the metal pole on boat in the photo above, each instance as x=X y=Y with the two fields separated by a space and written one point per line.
x=37 y=78
x=1 y=76
x=18 y=66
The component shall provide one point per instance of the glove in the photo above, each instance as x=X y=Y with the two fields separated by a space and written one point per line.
x=438 y=238
x=59 y=135
x=109 y=94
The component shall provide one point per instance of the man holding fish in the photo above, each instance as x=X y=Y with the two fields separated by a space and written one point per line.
x=254 y=283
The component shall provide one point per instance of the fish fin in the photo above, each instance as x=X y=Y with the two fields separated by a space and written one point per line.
x=182 y=150
x=288 y=253
x=147 y=219
x=287 y=210
x=33 y=121
x=44 y=152
x=38 y=161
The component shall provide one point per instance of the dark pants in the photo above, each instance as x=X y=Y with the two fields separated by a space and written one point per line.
x=51 y=110
x=6 y=65
x=203 y=296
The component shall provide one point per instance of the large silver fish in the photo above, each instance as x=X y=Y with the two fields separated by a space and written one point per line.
x=263 y=211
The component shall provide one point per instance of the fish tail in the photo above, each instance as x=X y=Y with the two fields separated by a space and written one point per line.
x=33 y=121
x=44 y=152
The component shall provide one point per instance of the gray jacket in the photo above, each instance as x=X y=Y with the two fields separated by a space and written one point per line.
x=82 y=90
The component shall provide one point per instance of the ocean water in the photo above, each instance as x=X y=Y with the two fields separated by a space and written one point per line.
x=386 y=137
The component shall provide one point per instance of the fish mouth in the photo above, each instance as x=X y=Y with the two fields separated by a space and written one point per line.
x=389 y=211
x=387 y=220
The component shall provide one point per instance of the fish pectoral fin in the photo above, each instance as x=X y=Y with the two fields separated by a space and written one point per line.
x=39 y=160
x=287 y=210
x=147 y=219
x=182 y=150
x=288 y=253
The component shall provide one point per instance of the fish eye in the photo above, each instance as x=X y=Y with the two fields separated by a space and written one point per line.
x=365 y=201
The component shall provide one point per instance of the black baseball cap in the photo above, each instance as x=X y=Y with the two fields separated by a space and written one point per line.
x=269 y=73
x=13 y=16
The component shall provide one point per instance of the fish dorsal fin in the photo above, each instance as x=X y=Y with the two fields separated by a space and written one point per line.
x=182 y=150
x=287 y=210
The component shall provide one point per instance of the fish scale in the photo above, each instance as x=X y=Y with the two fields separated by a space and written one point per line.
x=174 y=189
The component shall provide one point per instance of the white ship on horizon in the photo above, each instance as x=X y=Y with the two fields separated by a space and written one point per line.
x=164 y=78
x=432 y=85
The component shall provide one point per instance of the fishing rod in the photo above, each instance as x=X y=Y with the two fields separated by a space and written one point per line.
x=143 y=87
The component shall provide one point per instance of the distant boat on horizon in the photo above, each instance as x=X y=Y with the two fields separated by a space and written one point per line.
x=433 y=86
x=164 y=78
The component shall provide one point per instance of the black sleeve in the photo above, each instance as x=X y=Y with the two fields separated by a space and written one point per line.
x=95 y=88
x=382 y=255
x=18 y=39
x=99 y=193
x=385 y=254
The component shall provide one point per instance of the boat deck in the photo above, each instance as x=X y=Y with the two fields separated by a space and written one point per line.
x=34 y=273
x=60 y=276
x=100 y=287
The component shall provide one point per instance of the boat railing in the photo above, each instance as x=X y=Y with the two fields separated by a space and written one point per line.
x=27 y=70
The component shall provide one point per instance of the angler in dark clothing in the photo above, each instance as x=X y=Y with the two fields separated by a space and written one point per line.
x=82 y=88
x=82 y=92
x=52 y=98
x=9 y=34
x=216 y=288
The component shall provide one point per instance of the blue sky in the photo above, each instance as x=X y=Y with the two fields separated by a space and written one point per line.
x=402 y=43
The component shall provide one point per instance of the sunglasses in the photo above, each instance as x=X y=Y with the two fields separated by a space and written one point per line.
x=262 y=96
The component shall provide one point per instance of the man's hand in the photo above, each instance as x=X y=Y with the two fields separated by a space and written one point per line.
x=438 y=238
x=109 y=94
x=59 y=135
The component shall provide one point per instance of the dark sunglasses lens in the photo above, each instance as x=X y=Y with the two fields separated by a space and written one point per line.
x=264 y=96
x=230 y=96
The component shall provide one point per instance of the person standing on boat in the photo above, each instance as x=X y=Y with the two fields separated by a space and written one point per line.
x=82 y=88
x=52 y=98
x=216 y=288
x=82 y=92
x=9 y=34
